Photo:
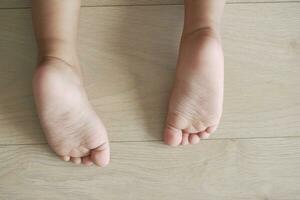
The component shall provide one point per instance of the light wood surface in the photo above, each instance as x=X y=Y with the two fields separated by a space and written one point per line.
x=128 y=54
x=253 y=169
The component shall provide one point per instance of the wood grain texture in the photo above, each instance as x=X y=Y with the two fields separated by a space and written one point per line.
x=129 y=56
x=253 y=169
x=27 y=3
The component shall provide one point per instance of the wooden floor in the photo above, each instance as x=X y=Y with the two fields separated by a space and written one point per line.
x=128 y=50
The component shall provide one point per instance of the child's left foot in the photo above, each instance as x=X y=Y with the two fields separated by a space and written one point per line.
x=197 y=98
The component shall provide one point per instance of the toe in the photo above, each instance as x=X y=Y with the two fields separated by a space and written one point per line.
x=194 y=139
x=65 y=158
x=172 y=136
x=185 y=139
x=211 y=129
x=77 y=161
x=101 y=155
x=87 y=161
x=204 y=135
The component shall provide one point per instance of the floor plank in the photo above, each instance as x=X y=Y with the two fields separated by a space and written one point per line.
x=229 y=169
x=129 y=56
x=27 y=3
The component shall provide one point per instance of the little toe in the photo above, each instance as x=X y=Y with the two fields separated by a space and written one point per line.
x=172 y=136
x=65 y=158
x=101 y=155
x=87 y=161
x=194 y=139
x=211 y=129
x=185 y=139
x=75 y=160
x=204 y=135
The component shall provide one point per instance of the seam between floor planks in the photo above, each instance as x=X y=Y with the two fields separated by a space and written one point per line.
x=161 y=141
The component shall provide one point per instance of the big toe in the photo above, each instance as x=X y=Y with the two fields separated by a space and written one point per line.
x=101 y=155
x=172 y=136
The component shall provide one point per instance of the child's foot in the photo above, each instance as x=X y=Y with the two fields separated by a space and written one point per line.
x=72 y=127
x=196 y=103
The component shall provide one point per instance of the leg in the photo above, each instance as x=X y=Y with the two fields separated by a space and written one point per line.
x=72 y=128
x=197 y=98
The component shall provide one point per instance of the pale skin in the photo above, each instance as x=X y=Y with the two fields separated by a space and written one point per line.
x=73 y=129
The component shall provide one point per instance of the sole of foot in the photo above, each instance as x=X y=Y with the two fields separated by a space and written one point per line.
x=72 y=128
x=196 y=101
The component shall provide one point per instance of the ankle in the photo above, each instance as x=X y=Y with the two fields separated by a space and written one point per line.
x=211 y=32
x=50 y=59
x=59 y=49
x=68 y=58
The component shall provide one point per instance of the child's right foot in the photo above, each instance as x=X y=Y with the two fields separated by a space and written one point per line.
x=195 y=106
x=71 y=126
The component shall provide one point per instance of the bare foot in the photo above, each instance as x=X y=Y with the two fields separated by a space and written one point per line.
x=196 y=103
x=71 y=126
